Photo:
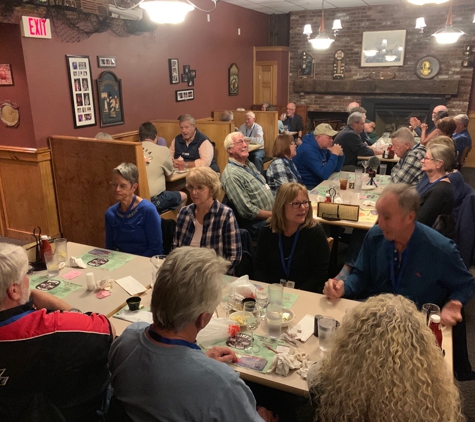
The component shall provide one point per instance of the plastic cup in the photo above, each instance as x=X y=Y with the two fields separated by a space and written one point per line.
x=276 y=293
x=52 y=264
x=61 y=249
x=274 y=320
x=343 y=181
x=181 y=164
x=326 y=332
x=382 y=168
x=157 y=262
x=358 y=173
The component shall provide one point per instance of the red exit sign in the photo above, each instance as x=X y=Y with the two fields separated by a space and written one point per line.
x=35 y=27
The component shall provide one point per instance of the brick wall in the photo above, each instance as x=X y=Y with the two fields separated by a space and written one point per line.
x=382 y=18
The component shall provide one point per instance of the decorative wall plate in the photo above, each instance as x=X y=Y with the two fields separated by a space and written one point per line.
x=383 y=74
x=427 y=68
x=9 y=114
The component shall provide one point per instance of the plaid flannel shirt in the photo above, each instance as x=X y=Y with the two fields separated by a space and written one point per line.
x=280 y=172
x=220 y=232
x=408 y=169
x=246 y=188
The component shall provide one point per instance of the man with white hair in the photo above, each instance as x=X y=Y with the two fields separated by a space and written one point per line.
x=254 y=135
x=409 y=168
x=53 y=358
x=158 y=370
x=462 y=139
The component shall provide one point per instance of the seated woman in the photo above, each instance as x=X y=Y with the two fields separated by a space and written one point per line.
x=133 y=225
x=207 y=223
x=436 y=191
x=385 y=335
x=282 y=169
x=293 y=246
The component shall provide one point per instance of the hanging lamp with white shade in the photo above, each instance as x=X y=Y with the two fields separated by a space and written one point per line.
x=448 y=34
x=322 y=41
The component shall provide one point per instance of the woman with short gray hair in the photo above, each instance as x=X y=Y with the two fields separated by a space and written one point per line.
x=133 y=225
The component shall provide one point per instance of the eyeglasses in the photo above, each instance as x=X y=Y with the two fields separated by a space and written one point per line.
x=121 y=187
x=199 y=188
x=296 y=205
x=240 y=142
x=428 y=158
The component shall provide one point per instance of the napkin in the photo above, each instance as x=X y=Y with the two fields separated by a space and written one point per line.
x=338 y=200
x=136 y=316
x=369 y=203
x=131 y=285
x=304 y=329
x=320 y=198
x=77 y=262
x=283 y=363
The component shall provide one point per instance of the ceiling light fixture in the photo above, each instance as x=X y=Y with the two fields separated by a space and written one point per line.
x=448 y=34
x=322 y=41
x=167 y=11
x=420 y=25
x=424 y=2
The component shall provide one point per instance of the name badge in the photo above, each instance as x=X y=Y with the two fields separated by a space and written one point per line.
x=286 y=283
x=185 y=153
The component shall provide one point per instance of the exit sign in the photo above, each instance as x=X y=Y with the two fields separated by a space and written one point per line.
x=35 y=27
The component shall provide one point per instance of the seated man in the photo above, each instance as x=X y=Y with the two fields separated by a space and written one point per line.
x=53 y=358
x=158 y=370
x=245 y=187
x=402 y=256
x=462 y=139
x=351 y=142
x=148 y=132
x=227 y=116
x=192 y=145
x=158 y=163
x=317 y=158
x=409 y=168
x=254 y=135
x=293 y=122
x=369 y=129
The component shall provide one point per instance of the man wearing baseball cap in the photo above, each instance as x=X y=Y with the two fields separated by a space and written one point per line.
x=317 y=158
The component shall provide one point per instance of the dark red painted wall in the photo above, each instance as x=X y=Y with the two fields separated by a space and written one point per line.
x=142 y=64
x=11 y=53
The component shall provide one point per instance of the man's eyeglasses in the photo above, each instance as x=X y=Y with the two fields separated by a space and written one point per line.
x=199 y=188
x=296 y=205
x=240 y=142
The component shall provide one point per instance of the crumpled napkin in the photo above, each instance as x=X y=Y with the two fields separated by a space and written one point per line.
x=283 y=363
x=77 y=262
x=338 y=200
x=369 y=203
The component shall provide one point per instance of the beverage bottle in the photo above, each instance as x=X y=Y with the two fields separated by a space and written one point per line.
x=45 y=246
x=390 y=151
x=434 y=325
x=327 y=198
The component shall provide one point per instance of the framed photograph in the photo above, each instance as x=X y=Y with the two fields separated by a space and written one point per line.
x=6 y=76
x=383 y=48
x=233 y=79
x=80 y=83
x=173 y=70
x=185 y=95
x=186 y=68
x=184 y=77
x=106 y=61
x=109 y=93
x=427 y=68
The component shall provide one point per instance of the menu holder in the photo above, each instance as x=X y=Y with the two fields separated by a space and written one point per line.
x=334 y=212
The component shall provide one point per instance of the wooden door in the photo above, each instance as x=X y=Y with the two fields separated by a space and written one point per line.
x=265 y=83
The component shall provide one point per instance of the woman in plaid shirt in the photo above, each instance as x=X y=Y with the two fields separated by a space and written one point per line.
x=207 y=223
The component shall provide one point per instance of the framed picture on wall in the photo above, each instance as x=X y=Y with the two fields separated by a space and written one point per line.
x=6 y=76
x=383 y=48
x=184 y=95
x=106 y=61
x=173 y=70
x=233 y=79
x=80 y=83
x=109 y=92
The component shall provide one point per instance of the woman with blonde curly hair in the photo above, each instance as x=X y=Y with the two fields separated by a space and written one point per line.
x=293 y=246
x=384 y=366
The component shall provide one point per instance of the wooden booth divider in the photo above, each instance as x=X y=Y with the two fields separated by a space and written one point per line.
x=82 y=169
x=27 y=193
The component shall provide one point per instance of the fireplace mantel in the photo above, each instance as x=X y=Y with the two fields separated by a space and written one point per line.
x=400 y=87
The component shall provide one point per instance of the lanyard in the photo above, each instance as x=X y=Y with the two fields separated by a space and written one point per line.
x=249 y=171
x=394 y=261
x=290 y=121
x=117 y=229
x=164 y=340
x=250 y=133
x=293 y=169
x=286 y=263
x=423 y=189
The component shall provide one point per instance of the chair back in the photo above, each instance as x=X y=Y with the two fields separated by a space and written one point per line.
x=168 y=232
x=246 y=266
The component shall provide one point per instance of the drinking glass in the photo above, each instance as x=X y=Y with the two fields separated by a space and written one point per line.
x=429 y=309
x=274 y=319
x=157 y=262
x=326 y=332
x=252 y=322
x=262 y=299
x=276 y=293
x=226 y=299
x=52 y=264
x=364 y=163
x=61 y=249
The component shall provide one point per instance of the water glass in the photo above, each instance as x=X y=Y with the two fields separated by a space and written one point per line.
x=262 y=299
x=274 y=319
x=61 y=249
x=276 y=293
x=252 y=322
x=429 y=309
x=157 y=262
x=326 y=332
x=382 y=169
x=52 y=264
x=226 y=299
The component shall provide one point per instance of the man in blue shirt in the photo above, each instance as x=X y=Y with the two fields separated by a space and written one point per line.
x=462 y=139
x=317 y=158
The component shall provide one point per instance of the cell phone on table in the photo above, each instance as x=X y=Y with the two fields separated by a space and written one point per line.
x=252 y=362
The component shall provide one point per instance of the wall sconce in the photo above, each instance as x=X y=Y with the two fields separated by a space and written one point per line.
x=336 y=26
x=307 y=30
x=420 y=25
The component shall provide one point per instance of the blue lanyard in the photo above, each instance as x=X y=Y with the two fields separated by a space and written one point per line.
x=286 y=263
x=423 y=189
x=250 y=133
x=394 y=261
x=249 y=171
x=290 y=121
x=164 y=340
x=293 y=169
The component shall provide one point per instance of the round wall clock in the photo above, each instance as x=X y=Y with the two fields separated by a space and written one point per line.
x=427 y=68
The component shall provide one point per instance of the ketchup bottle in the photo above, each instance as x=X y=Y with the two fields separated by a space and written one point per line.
x=327 y=198
x=434 y=325
x=45 y=247
x=390 y=151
